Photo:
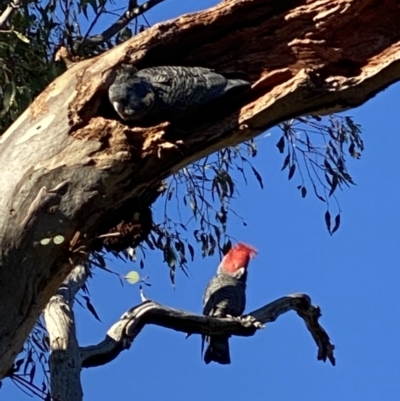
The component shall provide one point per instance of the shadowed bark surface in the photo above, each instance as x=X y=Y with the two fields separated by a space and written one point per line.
x=71 y=166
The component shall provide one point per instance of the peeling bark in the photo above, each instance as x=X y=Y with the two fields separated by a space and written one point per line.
x=72 y=166
x=65 y=356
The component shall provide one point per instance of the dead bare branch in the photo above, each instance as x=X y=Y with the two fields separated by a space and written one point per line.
x=132 y=12
x=120 y=336
x=65 y=358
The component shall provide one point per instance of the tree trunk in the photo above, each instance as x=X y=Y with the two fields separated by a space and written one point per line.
x=71 y=168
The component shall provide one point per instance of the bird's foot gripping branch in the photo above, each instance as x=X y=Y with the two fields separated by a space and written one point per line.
x=123 y=333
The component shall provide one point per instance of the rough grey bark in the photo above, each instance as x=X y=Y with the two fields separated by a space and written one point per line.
x=70 y=166
x=65 y=357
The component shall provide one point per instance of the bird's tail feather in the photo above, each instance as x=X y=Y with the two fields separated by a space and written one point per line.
x=217 y=351
x=236 y=84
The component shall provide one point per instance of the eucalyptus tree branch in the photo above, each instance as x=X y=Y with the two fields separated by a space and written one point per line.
x=132 y=12
x=121 y=334
x=86 y=171
x=8 y=12
x=65 y=358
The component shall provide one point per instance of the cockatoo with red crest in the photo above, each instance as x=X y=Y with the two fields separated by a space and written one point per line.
x=226 y=295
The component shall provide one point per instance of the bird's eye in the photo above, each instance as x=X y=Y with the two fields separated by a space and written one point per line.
x=140 y=90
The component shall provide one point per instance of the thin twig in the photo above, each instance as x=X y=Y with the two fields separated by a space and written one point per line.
x=8 y=12
x=121 y=23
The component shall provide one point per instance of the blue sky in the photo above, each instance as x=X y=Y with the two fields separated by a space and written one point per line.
x=353 y=276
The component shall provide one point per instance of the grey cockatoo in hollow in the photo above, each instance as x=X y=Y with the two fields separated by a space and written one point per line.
x=226 y=295
x=166 y=92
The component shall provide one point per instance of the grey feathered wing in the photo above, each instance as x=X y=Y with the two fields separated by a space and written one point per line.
x=224 y=295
